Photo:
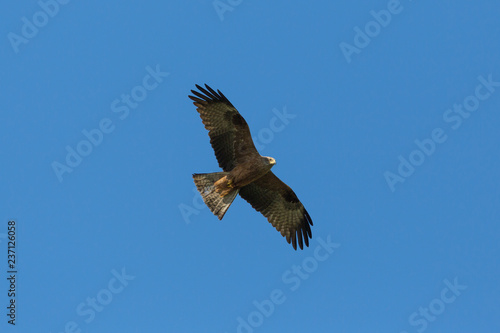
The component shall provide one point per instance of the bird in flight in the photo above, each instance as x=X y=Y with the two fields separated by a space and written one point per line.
x=245 y=171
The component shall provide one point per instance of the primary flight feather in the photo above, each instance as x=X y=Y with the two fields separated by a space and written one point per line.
x=245 y=171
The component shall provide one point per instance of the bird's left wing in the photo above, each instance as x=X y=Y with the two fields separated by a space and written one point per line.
x=277 y=201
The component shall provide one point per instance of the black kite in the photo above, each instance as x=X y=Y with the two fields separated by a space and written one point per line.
x=245 y=171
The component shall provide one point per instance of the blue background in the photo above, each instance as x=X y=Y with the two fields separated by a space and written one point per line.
x=130 y=204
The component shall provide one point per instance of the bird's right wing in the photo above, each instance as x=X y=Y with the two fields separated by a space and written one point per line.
x=229 y=133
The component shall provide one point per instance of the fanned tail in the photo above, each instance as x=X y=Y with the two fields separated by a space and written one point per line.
x=205 y=184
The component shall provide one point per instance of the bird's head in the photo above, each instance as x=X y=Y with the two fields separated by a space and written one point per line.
x=270 y=161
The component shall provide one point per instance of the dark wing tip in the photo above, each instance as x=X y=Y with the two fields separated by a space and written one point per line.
x=308 y=217
x=303 y=232
x=299 y=235
x=208 y=94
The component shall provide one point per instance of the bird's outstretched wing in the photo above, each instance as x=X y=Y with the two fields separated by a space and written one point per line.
x=229 y=133
x=279 y=204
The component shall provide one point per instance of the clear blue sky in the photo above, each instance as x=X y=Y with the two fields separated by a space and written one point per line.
x=383 y=117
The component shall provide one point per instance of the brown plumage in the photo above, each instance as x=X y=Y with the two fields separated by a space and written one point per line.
x=245 y=171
